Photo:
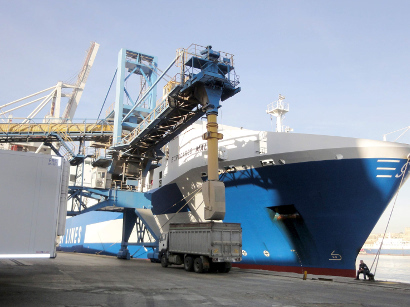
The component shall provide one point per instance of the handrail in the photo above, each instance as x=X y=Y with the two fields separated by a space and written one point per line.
x=31 y=126
x=144 y=124
x=195 y=50
x=278 y=105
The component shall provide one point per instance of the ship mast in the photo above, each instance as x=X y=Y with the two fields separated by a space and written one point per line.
x=278 y=109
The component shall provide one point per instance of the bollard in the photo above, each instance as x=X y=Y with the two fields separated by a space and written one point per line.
x=304 y=275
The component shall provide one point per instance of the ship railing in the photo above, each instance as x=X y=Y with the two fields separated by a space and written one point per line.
x=278 y=105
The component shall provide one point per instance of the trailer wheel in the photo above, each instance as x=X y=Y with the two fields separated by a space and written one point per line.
x=228 y=267
x=198 y=265
x=189 y=264
x=164 y=261
x=213 y=268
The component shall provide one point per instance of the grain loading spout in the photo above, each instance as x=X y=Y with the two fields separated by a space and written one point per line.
x=211 y=85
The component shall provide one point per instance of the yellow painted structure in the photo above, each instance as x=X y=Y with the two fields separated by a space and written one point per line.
x=213 y=190
x=27 y=128
x=212 y=136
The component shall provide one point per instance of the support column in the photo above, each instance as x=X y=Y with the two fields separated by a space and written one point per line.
x=119 y=98
x=144 y=172
x=153 y=78
x=129 y=219
x=56 y=112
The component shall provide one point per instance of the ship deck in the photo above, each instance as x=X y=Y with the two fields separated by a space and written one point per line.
x=90 y=280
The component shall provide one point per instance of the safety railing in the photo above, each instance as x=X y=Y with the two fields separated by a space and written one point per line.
x=110 y=109
x=278 y=105
x=65 y=153
x=195 y=50
x=146 y=122
x=36 y=126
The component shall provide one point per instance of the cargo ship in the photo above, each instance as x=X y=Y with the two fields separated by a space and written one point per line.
x=305 y=202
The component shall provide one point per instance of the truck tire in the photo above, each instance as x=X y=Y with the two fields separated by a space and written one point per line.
x=198 y=265
x=228 y=267
x=213 y=267
x=164 y=261
x=189 y=264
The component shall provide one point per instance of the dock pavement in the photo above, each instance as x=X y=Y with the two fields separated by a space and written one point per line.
x=92 y=280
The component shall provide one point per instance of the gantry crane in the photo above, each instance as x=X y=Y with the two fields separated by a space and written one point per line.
x=144 y=125
x=141 y=127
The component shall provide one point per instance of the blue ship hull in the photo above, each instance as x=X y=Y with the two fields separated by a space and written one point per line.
x=310 y=216
x=329 y=209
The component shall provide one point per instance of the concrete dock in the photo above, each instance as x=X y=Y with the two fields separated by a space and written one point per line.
x=90 y=280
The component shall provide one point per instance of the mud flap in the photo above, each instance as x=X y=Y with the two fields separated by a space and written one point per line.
x=205 y=262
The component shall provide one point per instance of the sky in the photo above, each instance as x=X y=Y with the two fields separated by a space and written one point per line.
x=342 y=65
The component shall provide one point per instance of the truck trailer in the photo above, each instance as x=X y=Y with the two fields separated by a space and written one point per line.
x=33 y=189
x=201 y=247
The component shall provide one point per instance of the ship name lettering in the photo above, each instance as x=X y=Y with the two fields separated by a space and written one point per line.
x=72 y=235
x=403 y=170
x=188 y=152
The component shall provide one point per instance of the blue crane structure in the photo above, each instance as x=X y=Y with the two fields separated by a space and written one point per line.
x=143 y=125
x=205 y=79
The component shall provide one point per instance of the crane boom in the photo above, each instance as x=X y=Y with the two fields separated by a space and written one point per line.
x=72 y=104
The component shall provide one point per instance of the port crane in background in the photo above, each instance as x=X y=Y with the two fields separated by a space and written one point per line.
x=140 y=125
x=54 y=128
x=55 y=93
